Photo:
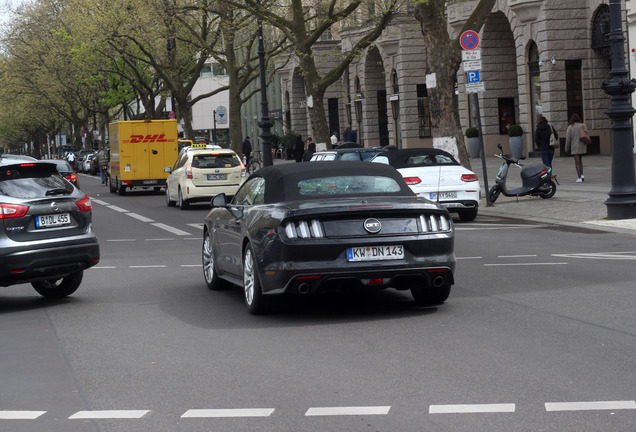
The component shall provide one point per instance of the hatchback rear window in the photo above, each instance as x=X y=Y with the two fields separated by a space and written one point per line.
x=215 y=160
x=32 y=181
x=347 y=185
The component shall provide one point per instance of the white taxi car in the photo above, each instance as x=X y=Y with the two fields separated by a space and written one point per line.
x=201 y=172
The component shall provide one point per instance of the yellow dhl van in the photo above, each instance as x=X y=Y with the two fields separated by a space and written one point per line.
x=139 y=151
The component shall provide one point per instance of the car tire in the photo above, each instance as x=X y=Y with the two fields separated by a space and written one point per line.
x=256 y=302
x=547 y=189
x=183 y=204
x=59 y=288
x=121 y=190
x=210 y=274
x=112 y=188
x=429 y=296
x=169 y=202
x=467 y=215
x=494 y=194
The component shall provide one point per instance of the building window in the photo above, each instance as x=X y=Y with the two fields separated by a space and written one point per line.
x=424 y=112
x=212 y=70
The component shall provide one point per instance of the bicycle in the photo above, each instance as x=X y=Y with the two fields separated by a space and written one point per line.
x=255 y=163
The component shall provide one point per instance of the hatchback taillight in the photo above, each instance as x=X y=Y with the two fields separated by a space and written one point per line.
x=469 y=177
x=243 y=170
x=11 y=211
x=84 y=204
x=412 y=180
x=189 y=171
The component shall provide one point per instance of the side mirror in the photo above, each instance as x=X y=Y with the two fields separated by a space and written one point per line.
x=167 y=169
x=219 y=200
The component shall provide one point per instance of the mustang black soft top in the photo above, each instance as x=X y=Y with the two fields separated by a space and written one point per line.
x=282 y=180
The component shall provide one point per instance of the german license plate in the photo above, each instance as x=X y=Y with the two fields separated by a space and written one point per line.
x=444 y=195
x=217 y=176
x=150 y=182
x=53 y=220
x=375 y=253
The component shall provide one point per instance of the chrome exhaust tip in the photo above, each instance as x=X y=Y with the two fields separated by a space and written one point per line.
x=303 y=288
x=438 y=281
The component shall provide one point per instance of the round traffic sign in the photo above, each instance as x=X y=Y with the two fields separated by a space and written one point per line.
x=172 y=114
x=469 y=40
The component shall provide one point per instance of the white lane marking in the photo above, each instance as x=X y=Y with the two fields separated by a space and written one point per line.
x=103 y=267
x=160 y=239
x=337 y=411
x=109 y=414
x=196 y=225
x=588 y=406
x=238 y=412
x=98 y=201
x=516 y=256
x=525 y=264
x=600 y=255
x=121 y=240
x=193 y=238
x=498 y=227
x=469 y=258
x=472 y=408
x=146 y=266
x=20 y=415
x=139 y=217
x=171 y=229
x=191 y=265
x=118 y=209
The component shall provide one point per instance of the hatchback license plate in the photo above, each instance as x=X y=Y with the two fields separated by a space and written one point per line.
x=444 y=195
x=375 y=253
x=217 y=176
x=53 y=220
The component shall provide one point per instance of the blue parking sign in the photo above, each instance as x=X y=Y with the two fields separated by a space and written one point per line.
x=472 y=76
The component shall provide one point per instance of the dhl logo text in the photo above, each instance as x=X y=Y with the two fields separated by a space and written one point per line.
x=148 y=138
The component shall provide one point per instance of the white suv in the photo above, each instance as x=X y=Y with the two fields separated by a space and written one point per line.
x=201 y=172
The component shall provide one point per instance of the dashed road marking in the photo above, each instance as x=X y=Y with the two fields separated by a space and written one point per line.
x=20 y=415
x=525 y=264
x=109 y=414
x=600 y=255
x=342 y=411
x=590 y=406
x=168 y=228
x=146 y=266
x=226 y=413
x=139 y=217
x=117 y=209
x=472 y=408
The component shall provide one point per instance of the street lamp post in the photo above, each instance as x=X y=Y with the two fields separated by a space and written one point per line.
x=358 y=106
x=621 y=203
x=265 y=123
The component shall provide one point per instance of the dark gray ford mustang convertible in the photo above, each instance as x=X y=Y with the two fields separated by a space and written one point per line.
x=311 y=227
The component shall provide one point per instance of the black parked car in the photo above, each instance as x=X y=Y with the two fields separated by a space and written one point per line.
x=46 y=236
x=306 y=228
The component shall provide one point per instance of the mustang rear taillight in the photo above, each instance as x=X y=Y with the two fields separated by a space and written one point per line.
x=11 y=211
x=84 y=204
x=412 y=180
x=469 y=177
x=304 y=229
x=434 y=223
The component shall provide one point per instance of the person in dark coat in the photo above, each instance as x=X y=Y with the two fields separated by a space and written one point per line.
x=542 y=140
x=299 y=148
x=247 y=148
x=311 y=149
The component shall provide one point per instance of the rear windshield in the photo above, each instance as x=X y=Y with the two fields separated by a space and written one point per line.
x=347 y=185
x=428 y=160
x=31 y=181
x=215 y=160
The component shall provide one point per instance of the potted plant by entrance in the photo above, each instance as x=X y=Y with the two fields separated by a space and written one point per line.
x=515 y=134
x=472 y=133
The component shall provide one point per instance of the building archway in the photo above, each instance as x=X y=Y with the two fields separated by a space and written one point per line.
x=375 y=102
x=500 y=106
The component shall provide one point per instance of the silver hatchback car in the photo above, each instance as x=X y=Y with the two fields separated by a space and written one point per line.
x=46 y=235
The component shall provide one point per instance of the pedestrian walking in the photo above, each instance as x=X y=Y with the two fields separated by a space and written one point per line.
x=247 y=149
x=542 y=140
x=102 y=164
x=334 y=139
x=574 y=145
x=311 y=149
x=299 y=148
x=70 y=157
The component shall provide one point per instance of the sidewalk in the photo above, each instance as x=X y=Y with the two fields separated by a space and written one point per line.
x=573 y=204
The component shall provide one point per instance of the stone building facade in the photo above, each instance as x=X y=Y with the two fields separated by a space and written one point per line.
x=539 y=57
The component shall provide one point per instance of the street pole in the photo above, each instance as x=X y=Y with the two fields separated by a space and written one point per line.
x=265 y=124
x=621 y=203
